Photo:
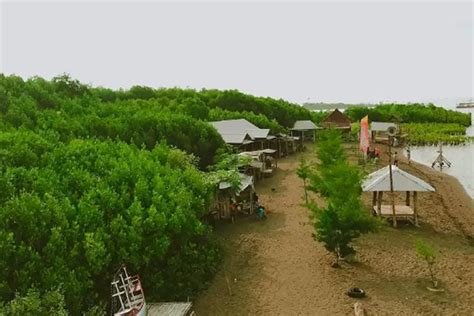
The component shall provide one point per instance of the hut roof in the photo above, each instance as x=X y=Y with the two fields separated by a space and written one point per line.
x=381 y=126
x=402 y=181
x=239 y=127
x=337 y=119
x=257 y=153
x=169 y=309
x=245 y=182
x=243 y=138
x=305 y=125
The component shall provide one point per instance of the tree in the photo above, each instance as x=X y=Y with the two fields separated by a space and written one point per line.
x=50 y=303
x=343 y=219
x=303 y=172
x=428 y=253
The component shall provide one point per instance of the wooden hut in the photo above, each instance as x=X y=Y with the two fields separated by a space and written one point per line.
x=286 y=144
x=244 y=197
x=337 y=120
x=378 y=182
x=305 y=130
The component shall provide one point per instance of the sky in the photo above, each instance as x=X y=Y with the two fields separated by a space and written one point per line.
x=299 y=51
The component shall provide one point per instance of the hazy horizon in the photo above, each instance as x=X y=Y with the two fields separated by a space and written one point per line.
x=350 y=52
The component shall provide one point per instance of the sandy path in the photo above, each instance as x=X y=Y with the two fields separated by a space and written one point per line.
x=281 y=269
x=275 y=267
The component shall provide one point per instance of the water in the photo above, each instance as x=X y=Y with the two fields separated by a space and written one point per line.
x=461 y=157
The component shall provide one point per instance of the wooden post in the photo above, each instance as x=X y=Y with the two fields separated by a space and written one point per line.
x=414 y=207
x=358 y=309
x=374 y=199
x=251 y=202
x=379 y=203
x=407 y=200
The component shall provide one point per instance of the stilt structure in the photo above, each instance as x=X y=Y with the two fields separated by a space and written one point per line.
x=440 y=160
x=127 y=295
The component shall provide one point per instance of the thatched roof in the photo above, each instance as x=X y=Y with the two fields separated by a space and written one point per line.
x=336 y=119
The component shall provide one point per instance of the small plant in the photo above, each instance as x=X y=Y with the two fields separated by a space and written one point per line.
x=428 y=253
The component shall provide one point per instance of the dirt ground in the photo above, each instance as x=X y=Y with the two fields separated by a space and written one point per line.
x=275 y=267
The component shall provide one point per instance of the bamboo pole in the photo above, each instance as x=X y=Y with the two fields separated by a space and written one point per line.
x=391 y=181
x=415 y=195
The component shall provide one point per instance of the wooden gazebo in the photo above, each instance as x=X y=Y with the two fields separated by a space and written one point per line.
x=378 y=182
x=304 y=129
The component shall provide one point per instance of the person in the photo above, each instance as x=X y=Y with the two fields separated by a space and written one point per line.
x=232 y=209
x=255 y=196
x=376 y=152
x=261 y=214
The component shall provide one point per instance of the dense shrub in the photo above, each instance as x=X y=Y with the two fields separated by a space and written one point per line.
x=73 y=214
x=426 y=133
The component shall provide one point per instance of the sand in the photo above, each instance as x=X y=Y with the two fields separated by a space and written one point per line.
x=275 y=267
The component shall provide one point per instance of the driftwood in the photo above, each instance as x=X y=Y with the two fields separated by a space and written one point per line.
x=358 y=309
x=228 y=284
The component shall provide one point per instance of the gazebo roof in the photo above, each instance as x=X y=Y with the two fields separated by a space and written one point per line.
x=305 y=125
x=381 y=126
x=402 y=181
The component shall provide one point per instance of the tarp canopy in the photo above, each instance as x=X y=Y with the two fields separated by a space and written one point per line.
x=402 y=181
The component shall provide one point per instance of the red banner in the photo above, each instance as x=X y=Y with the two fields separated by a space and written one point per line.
x=364 y=134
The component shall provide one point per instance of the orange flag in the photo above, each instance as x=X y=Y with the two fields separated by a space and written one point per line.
x=364 y=134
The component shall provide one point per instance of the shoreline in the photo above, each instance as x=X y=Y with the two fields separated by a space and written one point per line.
x=457 y=203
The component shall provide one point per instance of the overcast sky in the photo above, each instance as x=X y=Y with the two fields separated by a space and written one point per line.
x=321 y=51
